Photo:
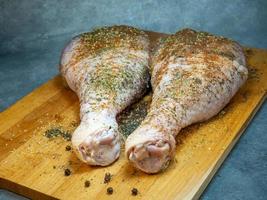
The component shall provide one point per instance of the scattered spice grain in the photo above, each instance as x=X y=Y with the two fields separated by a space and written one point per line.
x=107 y=177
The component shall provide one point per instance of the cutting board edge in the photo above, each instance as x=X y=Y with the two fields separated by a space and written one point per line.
x=23 y=190
x=227 y=151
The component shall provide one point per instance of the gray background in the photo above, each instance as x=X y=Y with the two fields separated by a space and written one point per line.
x=32 y=34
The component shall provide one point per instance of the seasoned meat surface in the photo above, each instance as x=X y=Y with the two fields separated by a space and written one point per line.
x=108 y=69
x=194 y=75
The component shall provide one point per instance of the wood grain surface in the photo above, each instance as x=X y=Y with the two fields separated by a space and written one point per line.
x=33 y=165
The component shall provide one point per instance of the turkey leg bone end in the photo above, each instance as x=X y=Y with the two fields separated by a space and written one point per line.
x=150 y=151
x=99 y=146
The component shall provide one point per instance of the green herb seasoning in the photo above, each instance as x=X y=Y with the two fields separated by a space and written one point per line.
x=106 y=38
x=53 y=132
x=56 y=132
x=132 y=117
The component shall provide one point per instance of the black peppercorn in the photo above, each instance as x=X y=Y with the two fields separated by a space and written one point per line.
x=87 y=183
x=134 y=191
x=68 y=148
x=109 y=190
x=67 y=172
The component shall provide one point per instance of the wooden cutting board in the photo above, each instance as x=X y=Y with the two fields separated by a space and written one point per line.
x=33 y=165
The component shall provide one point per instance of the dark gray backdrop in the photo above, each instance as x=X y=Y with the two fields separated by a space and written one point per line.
x=33 y=32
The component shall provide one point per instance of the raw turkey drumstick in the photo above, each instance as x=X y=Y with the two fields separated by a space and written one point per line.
x=194 y=75
x=108 y=69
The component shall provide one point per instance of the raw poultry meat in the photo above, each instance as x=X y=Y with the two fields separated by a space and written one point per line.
x=108 y=69
x=194 y=75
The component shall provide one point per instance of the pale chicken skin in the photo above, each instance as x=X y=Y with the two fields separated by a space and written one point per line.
x=194 y=75
x=108 y=69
